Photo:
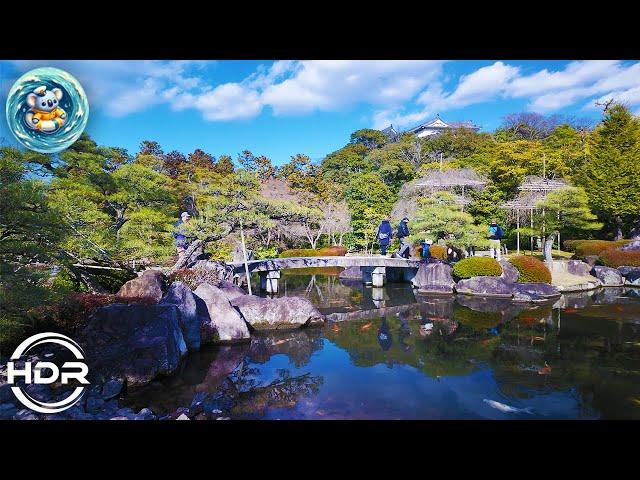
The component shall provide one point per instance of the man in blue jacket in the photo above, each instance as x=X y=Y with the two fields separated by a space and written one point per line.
x=403 y=233
x=385 y=232
x=495 y=235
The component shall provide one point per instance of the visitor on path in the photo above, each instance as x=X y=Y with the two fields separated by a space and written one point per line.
x=403 y=232
x=180 y=233
x=385 y=232
x=384 y=335
x=495 y=235
x=426 y=248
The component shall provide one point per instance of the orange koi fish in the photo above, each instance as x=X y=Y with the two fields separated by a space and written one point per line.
x=546 y=370
x=367 y=326
x=570 y=310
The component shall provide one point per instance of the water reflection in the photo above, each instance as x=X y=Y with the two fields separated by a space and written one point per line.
x=387 y=354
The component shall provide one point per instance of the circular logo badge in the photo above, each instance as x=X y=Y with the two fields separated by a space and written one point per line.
x=47 y=110
x=43 y=373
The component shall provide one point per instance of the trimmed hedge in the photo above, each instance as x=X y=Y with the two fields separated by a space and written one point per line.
x=531 y=269
x=438 y=251
x=618 y=258
x=334 y=251
x=477 y=267
x=584 y=248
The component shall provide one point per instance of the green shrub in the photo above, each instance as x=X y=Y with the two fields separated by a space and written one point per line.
x=618 y=258
x=531 y=269
x=477 y=267
x=570 y=245
x=262 y=252
x=334 y=251
x=584 y=248
x=476 y=320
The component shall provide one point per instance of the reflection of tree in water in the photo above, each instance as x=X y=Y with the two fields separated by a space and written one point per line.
x=591 y=357
x=252 y=400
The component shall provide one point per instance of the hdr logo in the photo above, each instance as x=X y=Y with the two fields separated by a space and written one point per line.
x=36 y=374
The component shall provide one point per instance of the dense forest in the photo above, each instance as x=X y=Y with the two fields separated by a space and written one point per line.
x=112 y=208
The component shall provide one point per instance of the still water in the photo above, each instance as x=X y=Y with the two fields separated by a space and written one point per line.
x=390 y=354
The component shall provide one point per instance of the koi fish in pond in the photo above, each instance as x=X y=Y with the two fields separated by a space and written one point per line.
x=367 y=326
x=507 y=408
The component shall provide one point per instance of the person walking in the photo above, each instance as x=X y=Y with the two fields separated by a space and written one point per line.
x=385 y=232
x=180 y=233
x=495 y=235
x=403 y=232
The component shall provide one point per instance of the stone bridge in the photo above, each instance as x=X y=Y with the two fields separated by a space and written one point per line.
x=376 y=270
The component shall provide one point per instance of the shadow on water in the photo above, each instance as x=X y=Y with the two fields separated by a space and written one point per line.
x=386 y=353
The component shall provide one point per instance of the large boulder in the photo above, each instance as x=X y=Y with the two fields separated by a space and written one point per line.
x=180 y=295
x=485 y=286
x=230 y=290
x=147 y=286
x=577 y=267
x=631 y=275
x=634 y=245
x=434 y=278
x=219 y=321
x=510 y=273
x=591 y=259
x=136 y=342
x=534 y=292
x=283 y=313
x=610 y=277
x=351 y=273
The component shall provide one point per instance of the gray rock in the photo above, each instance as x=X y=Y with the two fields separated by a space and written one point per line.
x=577 y=267
x=510 y=273
x=610 y=277
x=183 y=417
x=25 y=415
x=434 y=278
x=230 y=290
x=119 y=418
x=277 y=313
x=219 y=321
x=591 y=260
x=485 y=286
x=94 y=404
x=147 y=286
x=180 y=295
x=635 y=245
x=351 y=273
x=534 y=292
x=112 y=388
x=631 y=275
x=145 y=414
x=6 y=395
x=135 y=342
x=82 y=416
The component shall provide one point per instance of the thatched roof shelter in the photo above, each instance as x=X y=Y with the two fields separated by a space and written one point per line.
x=533 y=190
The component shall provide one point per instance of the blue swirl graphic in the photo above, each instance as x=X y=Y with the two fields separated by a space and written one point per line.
x=74 y=102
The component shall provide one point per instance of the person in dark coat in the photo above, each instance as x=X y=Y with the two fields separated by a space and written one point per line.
x=180 y=233
x=385 y=232
x=403 y=233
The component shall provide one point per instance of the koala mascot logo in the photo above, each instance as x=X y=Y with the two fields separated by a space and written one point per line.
x=45 y=114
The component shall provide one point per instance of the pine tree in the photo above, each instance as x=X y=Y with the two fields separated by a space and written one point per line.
x=610 y=174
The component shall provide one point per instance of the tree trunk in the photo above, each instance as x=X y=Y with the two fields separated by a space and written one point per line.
x=618 y=229
x=190 y=255
x=548 y=247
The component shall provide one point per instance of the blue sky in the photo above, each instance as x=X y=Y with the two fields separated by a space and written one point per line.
x=281 y=108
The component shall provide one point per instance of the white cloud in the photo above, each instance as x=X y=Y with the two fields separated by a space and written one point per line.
x=399 y=92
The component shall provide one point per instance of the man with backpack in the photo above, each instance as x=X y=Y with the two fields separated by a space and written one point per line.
x=384 y=234
x=495 y=235
x=403 y=233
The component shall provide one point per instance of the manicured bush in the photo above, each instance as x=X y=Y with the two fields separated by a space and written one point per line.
x=334 y=251
x=193 y=277
x=531 y=269
x=618 y=258
x=584 y=248
x=477 y=267
x=570 y=245
x=438 y=251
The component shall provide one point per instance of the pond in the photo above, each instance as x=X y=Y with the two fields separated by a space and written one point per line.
x=390 y=354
